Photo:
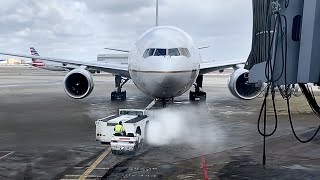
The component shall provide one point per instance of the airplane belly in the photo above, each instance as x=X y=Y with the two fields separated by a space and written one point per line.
x=161 y=84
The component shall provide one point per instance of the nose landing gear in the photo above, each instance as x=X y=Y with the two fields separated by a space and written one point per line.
x=165 y=101
x=119 y=94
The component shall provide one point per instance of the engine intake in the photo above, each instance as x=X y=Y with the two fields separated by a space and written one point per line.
x=239 y=86
x=78 y=83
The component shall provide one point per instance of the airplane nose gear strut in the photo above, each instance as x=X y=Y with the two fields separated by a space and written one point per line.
x=198 y=93
x=165 y=101
x=118 y=94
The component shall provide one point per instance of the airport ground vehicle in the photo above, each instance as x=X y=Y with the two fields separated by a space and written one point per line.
x=134 y=122
x=129 y=143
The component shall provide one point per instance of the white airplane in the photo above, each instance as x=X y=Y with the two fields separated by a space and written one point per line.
x=163 y=63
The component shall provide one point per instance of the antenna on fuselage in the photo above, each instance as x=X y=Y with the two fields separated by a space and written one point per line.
x=157 y=11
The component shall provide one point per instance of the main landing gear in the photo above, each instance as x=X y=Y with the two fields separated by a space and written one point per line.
x=118 y=94
x=198 y=94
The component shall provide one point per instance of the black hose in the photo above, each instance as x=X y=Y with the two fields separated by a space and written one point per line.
x=263 y=108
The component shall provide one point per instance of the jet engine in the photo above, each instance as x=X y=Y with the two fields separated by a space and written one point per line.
x=239 y=86
x=78 y=83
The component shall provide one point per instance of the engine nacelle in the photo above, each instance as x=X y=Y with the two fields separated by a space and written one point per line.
x=78 y=83
x=239 y=86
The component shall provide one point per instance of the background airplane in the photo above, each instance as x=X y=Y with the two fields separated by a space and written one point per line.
x=163 y=63
x=52 y=66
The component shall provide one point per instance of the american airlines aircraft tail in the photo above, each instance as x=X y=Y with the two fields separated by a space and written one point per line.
x=51 y=66
x=36 y=62
x=33 y=51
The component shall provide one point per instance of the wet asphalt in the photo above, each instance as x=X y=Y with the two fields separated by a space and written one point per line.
x=46 y=135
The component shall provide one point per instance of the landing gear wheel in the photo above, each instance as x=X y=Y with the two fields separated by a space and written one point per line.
x=203 y=95
x=164 y=102
x=198 y=94
x=192 y=96
x=118 y=95
x=113 y=96
x=123 y=95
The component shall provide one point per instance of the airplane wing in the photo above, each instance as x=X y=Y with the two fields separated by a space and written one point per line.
x=114 y=68
x=207 y=67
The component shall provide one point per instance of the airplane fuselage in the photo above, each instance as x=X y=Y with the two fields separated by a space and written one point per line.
x=164 y=62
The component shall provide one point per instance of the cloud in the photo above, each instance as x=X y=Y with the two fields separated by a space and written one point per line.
x=118 y=7
x=80 y=29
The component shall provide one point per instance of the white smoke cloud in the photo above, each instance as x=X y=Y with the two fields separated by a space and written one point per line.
x=182 y=126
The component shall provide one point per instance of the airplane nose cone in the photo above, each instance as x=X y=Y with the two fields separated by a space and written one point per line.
x=174 y=84
x=164 y=84
x=168 y=84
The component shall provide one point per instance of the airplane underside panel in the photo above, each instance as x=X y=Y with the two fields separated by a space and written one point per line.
x=164 y=84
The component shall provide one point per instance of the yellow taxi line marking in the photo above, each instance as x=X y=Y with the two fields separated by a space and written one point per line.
x=95 y=164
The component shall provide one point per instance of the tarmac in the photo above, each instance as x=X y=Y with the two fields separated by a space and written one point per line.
x=44 y=134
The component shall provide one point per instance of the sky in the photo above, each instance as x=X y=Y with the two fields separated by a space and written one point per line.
x=80 y=29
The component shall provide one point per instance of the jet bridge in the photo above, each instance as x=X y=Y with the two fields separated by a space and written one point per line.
x=285 y=52
x=285 y=42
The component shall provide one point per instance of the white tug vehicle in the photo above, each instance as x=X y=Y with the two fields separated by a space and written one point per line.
x=135 y=123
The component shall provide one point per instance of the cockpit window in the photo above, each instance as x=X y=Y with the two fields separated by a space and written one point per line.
x=145 y=54
x=160 y=52
x=184 y=52
x=163 y=52
x=151 y=51
x=173 y=52
x=148 y=52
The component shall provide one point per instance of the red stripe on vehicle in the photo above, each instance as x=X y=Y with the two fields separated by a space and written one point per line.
x=124 y=138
